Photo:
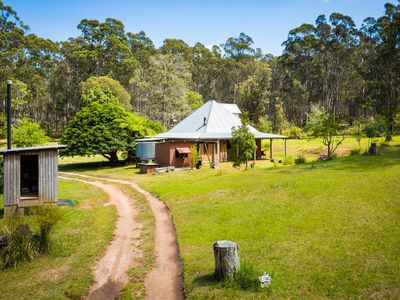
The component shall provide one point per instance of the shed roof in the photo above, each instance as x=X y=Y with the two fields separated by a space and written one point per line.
x=212 y=120
x=27 y=149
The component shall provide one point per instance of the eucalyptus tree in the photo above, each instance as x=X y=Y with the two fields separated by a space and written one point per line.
x=160 y=91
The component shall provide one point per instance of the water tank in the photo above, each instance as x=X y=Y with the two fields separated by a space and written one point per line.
x=145 y=150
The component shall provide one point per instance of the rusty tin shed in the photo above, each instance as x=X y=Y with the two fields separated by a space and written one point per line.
x=30 y=177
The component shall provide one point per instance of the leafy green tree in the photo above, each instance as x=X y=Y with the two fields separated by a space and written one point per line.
x=239 y=47
x=375 y=127
x=142 y=47
x=161 y=90
x=176 y=47
x=195 y=100
x=264 y=124
x=96 y=129
x=109 y=87
x=279 y=121
x=327 y=128
x=100 y=94
x=28 y=133
x=254 y=92
x=245 y=144
x=138 y=127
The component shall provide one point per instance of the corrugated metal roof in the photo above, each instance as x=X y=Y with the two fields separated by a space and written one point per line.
x=212 y=120
x=38 y=148
x=233 y=108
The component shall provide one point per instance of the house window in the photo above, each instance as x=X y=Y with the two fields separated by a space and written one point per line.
x=182 y=153
x=29 y=176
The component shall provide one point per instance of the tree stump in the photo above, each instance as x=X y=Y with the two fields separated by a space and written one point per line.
x=227 y=260
x=373 y=149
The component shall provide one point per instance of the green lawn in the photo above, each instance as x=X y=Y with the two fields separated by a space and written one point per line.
x=311 y=148
x=322 y=230
x=78 y=242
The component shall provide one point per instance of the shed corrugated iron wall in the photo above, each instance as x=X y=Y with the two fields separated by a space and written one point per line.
x=12 y=178
x=48 y=176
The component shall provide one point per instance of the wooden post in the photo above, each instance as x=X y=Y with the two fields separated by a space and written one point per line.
x=227 y=260
x=218 y=152
x=213 y=156
x=285 y=147
x=270 y=149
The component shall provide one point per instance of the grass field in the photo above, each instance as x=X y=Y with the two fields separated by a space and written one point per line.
x=322 y=230
x=78 y=242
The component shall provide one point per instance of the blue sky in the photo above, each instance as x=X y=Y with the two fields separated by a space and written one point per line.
x=209 y=22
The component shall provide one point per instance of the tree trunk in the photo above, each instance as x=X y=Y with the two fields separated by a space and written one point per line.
x=227 y=260
x=113 y=157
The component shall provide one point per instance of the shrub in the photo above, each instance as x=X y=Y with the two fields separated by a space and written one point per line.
x=352 y=130
x=19 y=243
x=375 y=128
x=195 y=155
x=356 y=151
x=45 y=217
x=288 y=160
x=29 y=133
x=300 y=160
x=246 y=278
x=25 y=238
x=293 y=132
x=333 y=156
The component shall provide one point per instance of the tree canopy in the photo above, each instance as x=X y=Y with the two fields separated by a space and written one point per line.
x=352 y=72
x=28 y=133
x=245 y=145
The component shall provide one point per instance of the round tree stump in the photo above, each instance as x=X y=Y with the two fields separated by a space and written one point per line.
x=373 y=149
x=227 y=260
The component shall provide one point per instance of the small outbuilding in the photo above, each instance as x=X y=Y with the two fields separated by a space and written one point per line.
x=30 y=177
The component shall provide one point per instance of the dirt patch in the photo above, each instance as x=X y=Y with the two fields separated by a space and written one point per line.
x=111 y=271
x=165 y=280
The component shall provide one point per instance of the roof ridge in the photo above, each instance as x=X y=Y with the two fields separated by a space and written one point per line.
x=209 y=113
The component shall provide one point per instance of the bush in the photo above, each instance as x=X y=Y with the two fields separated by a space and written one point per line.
x=356 y=151
x=195 y=155
x=28 y=133
x=300 y=160
x=45 y=217
x=246 y=278
x=352 y=130
x=333 y=156
x=288 y=160
x=293 y=132
x=26 y=237
x=19 y=243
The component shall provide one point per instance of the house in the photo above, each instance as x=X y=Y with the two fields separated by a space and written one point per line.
x=30 y=177
x=209 y=129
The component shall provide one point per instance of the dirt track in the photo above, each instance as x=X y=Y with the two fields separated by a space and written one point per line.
x=164 y=281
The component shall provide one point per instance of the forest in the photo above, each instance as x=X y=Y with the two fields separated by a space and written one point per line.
x=332 y=65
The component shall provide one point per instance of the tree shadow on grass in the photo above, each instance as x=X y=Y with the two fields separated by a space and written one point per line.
x=95 y=166
x=206 y=280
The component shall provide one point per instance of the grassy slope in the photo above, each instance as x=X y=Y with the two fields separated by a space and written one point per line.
x=311 y=148
x=328 y=231
x=78 y=241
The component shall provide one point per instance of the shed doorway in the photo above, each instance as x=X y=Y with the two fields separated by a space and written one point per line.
x=29 y=177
